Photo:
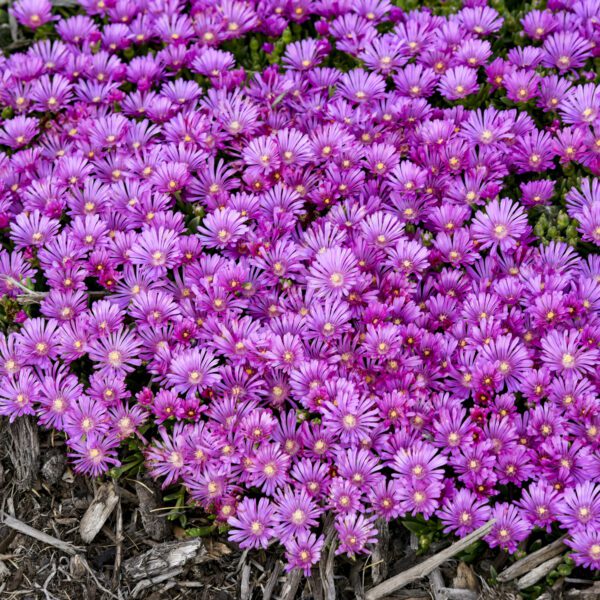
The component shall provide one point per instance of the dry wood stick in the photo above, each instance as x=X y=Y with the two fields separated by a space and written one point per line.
x=50 y=540
x=119 y=545
x=523 y=566
x=540 y=571
x=427 y=566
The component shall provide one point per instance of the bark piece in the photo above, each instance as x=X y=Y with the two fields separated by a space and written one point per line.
x=4 y=571
x=162 y=558
x=272 y=581
x=154 y=523
x=465 y=578
x=523 y=566
x=24 y=452
x=98 y=511
x=54 y=467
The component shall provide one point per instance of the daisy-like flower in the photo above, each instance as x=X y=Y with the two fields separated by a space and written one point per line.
x=464 y=512
x=580 y=507
x=582 y=106
x=269 y=468
x=359 y=86
x=566 y=50
x=509 y=529
x=116 y=353
x=350 y=417
x=540 y=504
x=303 y=551
x=156 y=250
x=334 y=273
x=32 y=13
x=501 y=225
x=32 y=229
x=18 y=394
x=458 y=82
x=37 y=341
x=586 y=548
x=563 y=352
x=94 y=455
x=223 y=228
x=355 y=531
x=166 y=458
x=192 y=371
x=296 y=513
x=254 y=524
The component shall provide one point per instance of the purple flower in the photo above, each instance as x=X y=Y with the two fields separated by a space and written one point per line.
x=355 y=531
x=586 y=548
x=509 y=528
x=32 y=13
x=563 y=352
x=303 y=552
x=253 y=527
x=463 y=513
x=502 y=225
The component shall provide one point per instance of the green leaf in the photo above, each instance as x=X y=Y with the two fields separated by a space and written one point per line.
x=200 y=531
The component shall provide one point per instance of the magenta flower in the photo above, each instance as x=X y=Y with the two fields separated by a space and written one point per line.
x=303 y=552
x=355 y=531
x=564 y=353
x=253 y=527
x=502 y=225
x=586 y=548
x=509 y=528
x=464 y=513
x=32 y=13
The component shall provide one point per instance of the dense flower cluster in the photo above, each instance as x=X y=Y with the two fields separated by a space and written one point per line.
x=307 y=291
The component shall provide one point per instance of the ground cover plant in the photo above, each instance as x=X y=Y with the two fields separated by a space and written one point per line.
x=310 y=262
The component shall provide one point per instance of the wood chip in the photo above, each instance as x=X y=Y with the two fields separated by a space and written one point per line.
x=437 y=585
x=151 y=581
x=98 y=511
x=161 y=558
x=465 y=578
x=4 y=571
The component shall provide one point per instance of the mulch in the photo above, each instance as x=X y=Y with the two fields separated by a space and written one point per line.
x=132 y=551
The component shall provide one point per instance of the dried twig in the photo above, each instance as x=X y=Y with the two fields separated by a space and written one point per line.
x=540 y=571
x=437 y=585
x=272 y=581
x=427 y=566
x=146 y=583
x=30 y=296
x=119 y=545
x=525 y=565
x=245 y=588
x=50 y=540
x=290 y=585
